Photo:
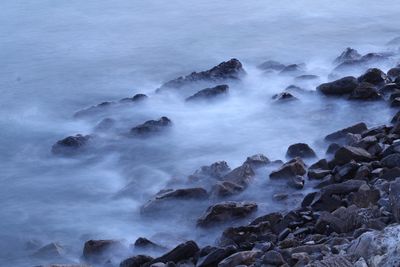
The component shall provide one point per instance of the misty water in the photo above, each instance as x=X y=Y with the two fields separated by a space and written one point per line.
x=59 y=57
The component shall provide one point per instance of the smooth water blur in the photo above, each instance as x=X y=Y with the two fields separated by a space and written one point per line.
x=60 y=56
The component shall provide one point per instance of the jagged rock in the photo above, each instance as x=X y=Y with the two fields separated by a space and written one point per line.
x=393 y=148
x=292 y=68
x=364 y=197
x=210 y=93
x=346 y=154
x=296 y=182
x=98 y=251
x=291 y=168
x=226 y=188
x=50 y=251
x=183 y=251
x=231 y=69
x=393 y=73
x=284 y=96
x=342 y=86
x=241 y=258
x=216 y=171
x=257 y=161
x=365 y=91
x=354 y=129
x=71 y=144
x=226 y=211
x=136 y=261
x=300 y=150
x=271 y=65
x=347 y=55
x=373 y=76
x=214 y=257
x=151 y=127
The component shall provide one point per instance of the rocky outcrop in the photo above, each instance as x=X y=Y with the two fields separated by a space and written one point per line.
x=209 y=93
x=151 y=127
x=71 y=144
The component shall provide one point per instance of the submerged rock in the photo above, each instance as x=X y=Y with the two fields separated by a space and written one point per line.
x=210 y=93
x=71 y=144
x=98 y=251
x=151 y=127
x=342 y=86
x=284 y=96
x=226 y=211
x=300 y=150
x=231 y=69
x=347 y=55
x=373 y=76
x=271 y=65
x=50 y=251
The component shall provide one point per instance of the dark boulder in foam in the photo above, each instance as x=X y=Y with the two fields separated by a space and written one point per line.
x=342 y=86
x=341 y=134
x=71 y=144
x=184 y=251
x=151 y=127
x=99 y=251
x=365 y=91
x=210 y=93
x=227 y=70
x=374 y=76
x=347 y=55
x=284 y=97
x=300 y=150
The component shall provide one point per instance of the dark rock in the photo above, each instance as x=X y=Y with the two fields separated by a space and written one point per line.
x=346 y=154
x=306 y=77
x=226 y=188
x=300 y=150
x=317 y=173
x=346 y=171
x=94 y=109
x=284 y=96
x=216 y=171
x=210 y=93
x=354 y=129
x=226 y=211
x=394 y=197
x=257 y=161
x=343 y=188
x=50 y=251
x=364 y=197
x=71 y=144
x=348 y=55
x=391 y=161
x=365 y=91
x=396 y=117
x=291 y=168
x=271 y=65
x=393 y=73
x=136 y=261
x=395 y=102
x=98 y=251
x=135 y=98
x=231 y=69
x=388 y=89
x=214 y=257
x=274 y=258
x=342 y=86
x=183 y=251
x=321 y=164
x=144 y=243
x=151 y=127
x=241 y=258
x=373 y=57
x=296 y=182
x=332 y=261
x=373 y=76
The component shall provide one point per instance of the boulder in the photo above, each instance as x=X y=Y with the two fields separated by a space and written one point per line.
x=226 y=211
x=346 y=154
x=52 y=251
x=318 y=173
x=135 y=98
x=300 y=150
x=348 y=55
x=284 y=97
x=290 y=169
x=342 y=86
x=391 y=161
x=215 y=256
x=292 y=69
x=373 y=76
x=151 y=127
x=296 y=182
x=226 y=188
x=365 y=91
x=217 y=170
x=274 y=258
x=144 y=243
x=136 y=261
x=393 y=73
x=394 y=198
x=271 y=65
x=210 y=93
x=98 y=251
x=241 y=258
x=71 y=144
x=93 y=110
x=257 y=161
x=354 y=129
x=183 y=251
x=231 y=69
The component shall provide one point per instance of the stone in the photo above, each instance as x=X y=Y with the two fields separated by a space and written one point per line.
x=50 y=251
x=151 y=127
x=374 y=76
x=216 y=256
x=331 y=261
x=98 y=251
x=271 y=65
x=365 y=91
x=210 y=93
x=300 y=150
x=393 y=73
x=332 y=148
x=183 y=251
x=394 y=198
x=296 y=182
x=354 y=129
x=105 y=125
x=226 y=211
x=217 y=170
x=274 y=258
x=342 y=86
x=257 y=161
x=320 y=164
x=346 y=154
x=135 y=98
x=243 y=257
x=226 y=188
x=284 y=97
x=348 y=55
x=144 y=243
x=291 y=168
x=71 y=144
x=391 y=161
x=317 y=173
x=136 y=261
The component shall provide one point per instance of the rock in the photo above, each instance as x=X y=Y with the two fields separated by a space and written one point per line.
x=151 y=127
x=342 y=86
x=292 y=68
x=136 y=261
x=396 y=117
x=393 y=148
x=274 y=258
x=388 y=88
x=226 y=211
x=50 y=251
x=364 y=197
x=242 y=257
x=348 y=55
x=213 y=258
x=343 y=188
x=210 y=93
x=231 y=69
x=105 y=125
x=373 y=76
x=93 y=110
x=135 y=98
x=300 y=150
x=144 y=243
x=306 y=77
x=331 y=261
x=321 y=164
x=71 y=144
x=296 y=182
x=257 y=161
x=394 y=197
x=216 y=171
x=391 y=161
x=183 y=251
x=365 y=91
x=395 y=102
x=98 y=251
x=354 y=129
x=291 y=168
x=271 y=65
x=226 y=188
x=284 y=97
x=393 y=73
x=318 y=173
x=346 y=154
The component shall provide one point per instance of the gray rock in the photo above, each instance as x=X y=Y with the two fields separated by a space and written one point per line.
x=290 y=169
x=354 y=129
x=183 y=251
x=151 y=127
x=348 y=153
x=342 y=86
x=210 y=93
x=300 y=150
x=243 y=257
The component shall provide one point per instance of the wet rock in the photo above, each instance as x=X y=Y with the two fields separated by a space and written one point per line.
x=231 y=69
x=395 y=102
x=393 y=73
x=217 y=170
x=182 y=252
x=241 y=258
x=396 y=117
x=284 y=96
x=394 y=198
x=226 y=188
x=144 y=243
x=291 y=168
x=93 y=110
x=292 y=68
x=388 y=88
x=226 y=211
x=296 y=182
x=151 y=127
x=318 y=173
x=354 y=129
x=343 y=188
x=320 y=164
x=214 y=257
x=346 y=154
x=391 y=161
x=271 y=65
x=365 y=91
x=364 y=197
x=342 y=86
x=50 y=251
x=373 y=76
x=393 y=148
x=71 y=144
x=331 y=261
x=348 y=55
x=257 y=161
x=300 y=150
x=135 y=98
x=274 y=258
x=98 y=251
x=210 y=93
x=136 y=261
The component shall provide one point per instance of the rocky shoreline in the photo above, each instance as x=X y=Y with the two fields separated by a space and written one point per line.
x=349 y=219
